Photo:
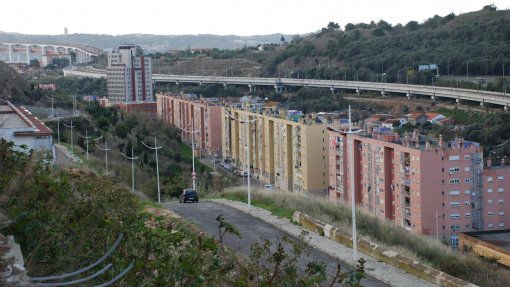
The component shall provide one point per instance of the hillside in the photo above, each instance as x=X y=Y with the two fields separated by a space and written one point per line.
x=12 y=84
x=470 y=46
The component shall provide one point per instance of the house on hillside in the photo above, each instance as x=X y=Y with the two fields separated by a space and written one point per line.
x=417 y=118
x=20 y=126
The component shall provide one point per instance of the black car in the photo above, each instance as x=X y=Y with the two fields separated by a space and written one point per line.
x=188 y=195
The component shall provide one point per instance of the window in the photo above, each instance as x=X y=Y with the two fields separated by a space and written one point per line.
x=454 y=157
x=501 y=213
x=454 y=241
x=500 y=178
x=467 y=180
x=467 y=191
x=489 y=190
x=466 y=157
x=455 y=227
x=501 y=201
x=454 y=181
x=490 y=225
x=501 y=224
x=468 y=214
x=501 y=189
x=454 y=204
x=489 y=202
x=453 y=170
x=467 y=168
x=489 y=178
x=454 y=192
x=455 y=215
x=467 y=203
x=490 y=213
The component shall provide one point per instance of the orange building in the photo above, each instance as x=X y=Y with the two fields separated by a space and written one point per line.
x=426 y=186
x=193 y=115
x=144 y=107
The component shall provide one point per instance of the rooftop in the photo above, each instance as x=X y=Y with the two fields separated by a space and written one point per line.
x=499 y=238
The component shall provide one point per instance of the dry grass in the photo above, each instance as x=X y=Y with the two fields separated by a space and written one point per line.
x=463 y=265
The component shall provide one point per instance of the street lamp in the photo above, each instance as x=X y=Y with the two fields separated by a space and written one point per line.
x=353 y=194
x=105 y=149
x=71 y=127
x=58 y=128
x=193 y=174
x=155 y=148
x=132 y=169
x=247 y=122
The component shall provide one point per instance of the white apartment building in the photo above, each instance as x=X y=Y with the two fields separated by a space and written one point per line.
x=129 y=75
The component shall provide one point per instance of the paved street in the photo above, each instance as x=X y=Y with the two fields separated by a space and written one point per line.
x=252 y=229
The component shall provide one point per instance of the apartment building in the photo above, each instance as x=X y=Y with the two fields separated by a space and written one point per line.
x=129 y=75
x=198 y=117
x=426 y=186
x=289 y=153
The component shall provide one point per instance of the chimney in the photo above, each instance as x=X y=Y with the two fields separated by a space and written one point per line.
x=461 y=143
x=489 y=162
x=427 y=145
x=441 y=143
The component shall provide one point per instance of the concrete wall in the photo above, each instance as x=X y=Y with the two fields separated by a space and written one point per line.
x=381 y=253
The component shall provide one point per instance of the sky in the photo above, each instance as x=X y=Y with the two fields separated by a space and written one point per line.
x=220 y=17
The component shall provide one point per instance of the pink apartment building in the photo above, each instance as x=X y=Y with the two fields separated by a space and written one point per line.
x=193 y=115
x=431 y=187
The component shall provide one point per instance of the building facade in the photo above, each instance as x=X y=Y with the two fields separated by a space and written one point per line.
x=197 y=117
x=129 y=75
x=291 y=155
x=23 y=128
x=431 y=187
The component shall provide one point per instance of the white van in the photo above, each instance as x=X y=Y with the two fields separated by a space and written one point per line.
x=268 y=186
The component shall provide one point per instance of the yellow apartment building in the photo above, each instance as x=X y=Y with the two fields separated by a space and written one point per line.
x=290 y=153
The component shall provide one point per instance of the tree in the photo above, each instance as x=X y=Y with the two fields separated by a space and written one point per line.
x=333 y=26
x=121 y=130
x=282 y=39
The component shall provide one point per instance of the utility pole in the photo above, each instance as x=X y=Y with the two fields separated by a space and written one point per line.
x=52 y=114
x=86 y=137
x=132 y=169
x=105 y=149
x=71 y=127
x=193 y=173
x=155 y=148
x=58 y=128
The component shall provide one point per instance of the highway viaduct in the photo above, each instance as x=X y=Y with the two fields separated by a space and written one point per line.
x=434 y=92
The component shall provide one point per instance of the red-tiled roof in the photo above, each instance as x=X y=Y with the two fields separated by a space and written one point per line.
x=40 y=128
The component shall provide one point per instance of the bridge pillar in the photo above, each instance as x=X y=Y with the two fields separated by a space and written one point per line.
x=481 y=104
x=225 y=85
x=408 y=95
x=505 y=108
x=383 y=93
x=278 y=89
x=433 y=97
x=251 y=87
x=457 y=101
x=10 y=53
x=332 y=90
x=28 y=56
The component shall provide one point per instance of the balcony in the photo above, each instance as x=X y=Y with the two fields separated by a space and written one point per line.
x=406 y=213
x=406 y=181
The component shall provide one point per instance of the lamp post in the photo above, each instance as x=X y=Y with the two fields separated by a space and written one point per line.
x=353 y=193
x=193 y=174
x=247 y=140
x=132 y=169
x=71 y=127
x=155 y=148
x=105 y=149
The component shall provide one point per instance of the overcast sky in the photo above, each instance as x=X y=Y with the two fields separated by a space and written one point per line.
x=222 y=17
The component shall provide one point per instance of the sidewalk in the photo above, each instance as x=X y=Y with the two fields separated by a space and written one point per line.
x=380 y=270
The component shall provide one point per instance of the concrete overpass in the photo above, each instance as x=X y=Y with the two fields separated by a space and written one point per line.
x=15 y=53
x=482 y=97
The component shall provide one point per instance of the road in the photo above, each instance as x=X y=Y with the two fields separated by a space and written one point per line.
x=251 y=229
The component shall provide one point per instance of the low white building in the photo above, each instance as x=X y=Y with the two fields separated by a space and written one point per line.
x=20 y=126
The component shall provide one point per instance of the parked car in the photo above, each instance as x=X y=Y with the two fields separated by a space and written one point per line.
x=268 y=186
x=188 y=195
